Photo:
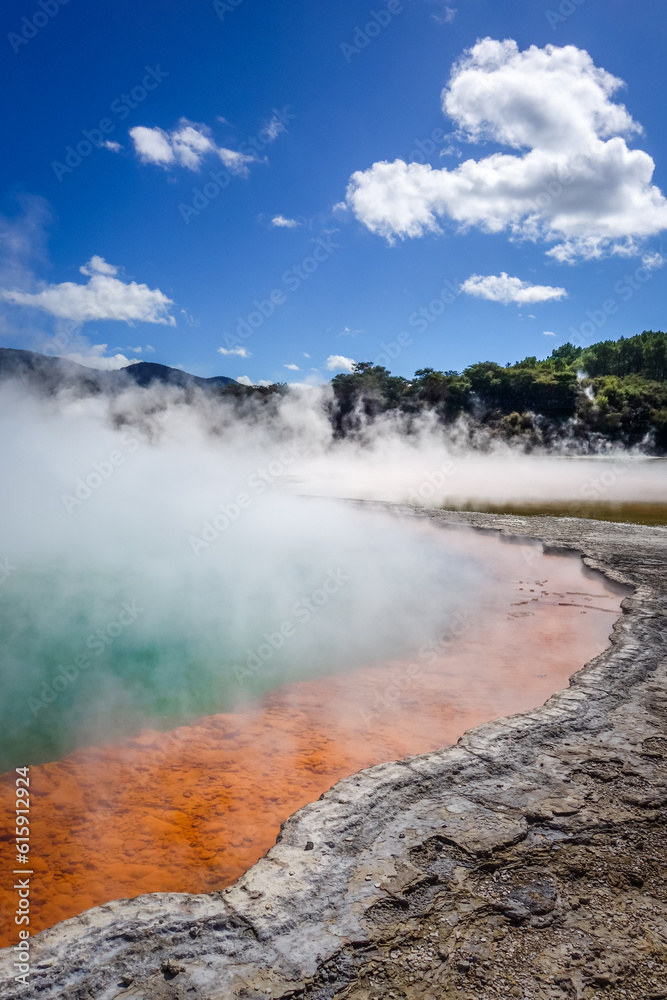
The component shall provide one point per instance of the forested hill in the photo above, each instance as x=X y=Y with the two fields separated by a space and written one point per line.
x=612 y=391
x=51 y=374
x=615 y=390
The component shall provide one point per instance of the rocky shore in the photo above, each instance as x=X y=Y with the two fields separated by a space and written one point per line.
x=527 y=861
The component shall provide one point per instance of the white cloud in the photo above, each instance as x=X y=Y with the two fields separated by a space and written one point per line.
x=446 y=17
x=97 y=265
x=551 y=98
x=240 y=352
x=573 y=180
x=152 y=145
x=306 y=355
x=186 y=146
x=502 y=288
x=244 y=380
x=115 y=147
x=236 y=162
x=190 y=320
x=308 y=383
x=136 y=350
x=653 y=260
x=93 y=356
x=336 y=362
x=282 y=223
x=271 y=131
x=292 y=368
x=190 y=144
x=548 y=333
x=105 y=296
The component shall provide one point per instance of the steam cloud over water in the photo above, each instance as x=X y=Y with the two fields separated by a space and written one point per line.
x=155 y=573
x=160 y=562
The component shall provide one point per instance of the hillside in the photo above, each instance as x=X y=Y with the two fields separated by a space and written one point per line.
x=615 y=390
x=611 y=392
x=51 y=374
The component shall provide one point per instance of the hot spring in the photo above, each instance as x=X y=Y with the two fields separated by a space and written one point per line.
x=193 y=650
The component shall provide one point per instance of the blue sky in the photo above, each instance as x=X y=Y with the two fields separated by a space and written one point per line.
x=282 y=104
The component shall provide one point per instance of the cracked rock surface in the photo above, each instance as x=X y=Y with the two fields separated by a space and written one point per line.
x=527 y=861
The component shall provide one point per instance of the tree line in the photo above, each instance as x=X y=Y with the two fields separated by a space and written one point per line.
x=616 y=390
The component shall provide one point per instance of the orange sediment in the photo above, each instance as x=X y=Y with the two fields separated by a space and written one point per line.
x=192 y=809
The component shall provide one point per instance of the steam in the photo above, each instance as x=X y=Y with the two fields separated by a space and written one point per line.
x=159 y=572
x=166 y=558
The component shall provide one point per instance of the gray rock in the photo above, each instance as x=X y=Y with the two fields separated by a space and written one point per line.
x=565 y=858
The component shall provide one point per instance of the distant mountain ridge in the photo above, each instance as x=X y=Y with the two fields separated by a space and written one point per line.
x=51 y=374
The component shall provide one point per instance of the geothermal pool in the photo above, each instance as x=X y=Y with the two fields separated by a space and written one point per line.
x=189 y=807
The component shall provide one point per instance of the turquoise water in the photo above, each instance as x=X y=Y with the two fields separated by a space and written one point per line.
x=91 y=657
